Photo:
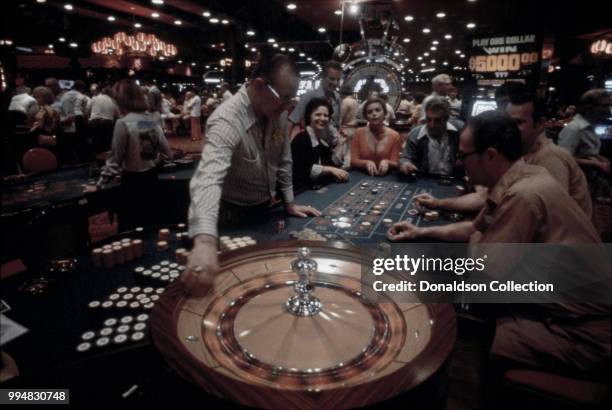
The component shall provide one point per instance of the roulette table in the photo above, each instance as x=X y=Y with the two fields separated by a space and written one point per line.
x=48 y=189
x=239 y=346
x=34 y=205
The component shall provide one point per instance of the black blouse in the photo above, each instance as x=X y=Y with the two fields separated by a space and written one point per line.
x=305 y=156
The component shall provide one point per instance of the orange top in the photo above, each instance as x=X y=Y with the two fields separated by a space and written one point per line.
x=366 y=147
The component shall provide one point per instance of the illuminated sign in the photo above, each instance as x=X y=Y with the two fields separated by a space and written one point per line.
x=504 y=57
x=602 y=47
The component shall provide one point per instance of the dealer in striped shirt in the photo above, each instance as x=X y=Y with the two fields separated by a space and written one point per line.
x=245 y=159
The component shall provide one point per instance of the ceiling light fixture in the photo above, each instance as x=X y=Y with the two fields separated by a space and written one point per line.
x=441 y=15
x=139 y=44
x=111 y=18
x=408 y=18
x=426 y=30
x=291 y=6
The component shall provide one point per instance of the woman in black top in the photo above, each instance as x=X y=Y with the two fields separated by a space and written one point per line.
x=314 y=157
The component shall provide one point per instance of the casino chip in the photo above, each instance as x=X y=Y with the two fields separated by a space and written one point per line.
x=138 y=336
x=83 y=347
x=120 y=339
x=88 y=335
x=103 y=341
x=127 y=319
x=106 y=331
x=139 y=327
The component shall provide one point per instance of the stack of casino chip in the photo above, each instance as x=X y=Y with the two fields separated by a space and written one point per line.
x=164 y=271
x=129 y=298
x=115 y=331
x=307 y=234
x=117 y=253
x=229 y=244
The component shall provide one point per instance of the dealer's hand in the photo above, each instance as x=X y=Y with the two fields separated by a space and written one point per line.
x=202 y=266
x=302 y=211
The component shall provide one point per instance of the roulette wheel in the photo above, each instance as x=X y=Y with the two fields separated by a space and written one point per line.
x=294 y=329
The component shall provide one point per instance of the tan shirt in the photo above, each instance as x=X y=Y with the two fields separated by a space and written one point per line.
x=528 y=206
x=563 y=167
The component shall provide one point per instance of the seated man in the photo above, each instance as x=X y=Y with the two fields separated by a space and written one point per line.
x=528 y=113
x=431 y=148
x=525 y=205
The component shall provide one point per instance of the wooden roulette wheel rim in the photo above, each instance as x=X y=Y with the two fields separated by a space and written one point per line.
x=241 y=344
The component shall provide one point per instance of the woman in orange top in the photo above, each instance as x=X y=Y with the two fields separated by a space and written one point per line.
x=376 y=148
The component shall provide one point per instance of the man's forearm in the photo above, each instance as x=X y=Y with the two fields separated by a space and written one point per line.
x=457 y=232
x=472 y=202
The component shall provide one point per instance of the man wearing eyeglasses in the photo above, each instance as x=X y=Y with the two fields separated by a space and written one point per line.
x=246 y=158
x=524 y=203
x=529 y=114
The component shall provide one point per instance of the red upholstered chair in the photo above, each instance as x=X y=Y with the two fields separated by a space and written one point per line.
x=548 y=390
x=39 y=160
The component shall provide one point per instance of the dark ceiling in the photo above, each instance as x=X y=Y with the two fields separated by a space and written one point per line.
x=30 y=23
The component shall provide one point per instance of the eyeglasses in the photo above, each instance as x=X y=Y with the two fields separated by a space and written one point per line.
x=463 y=155
x=277 y=95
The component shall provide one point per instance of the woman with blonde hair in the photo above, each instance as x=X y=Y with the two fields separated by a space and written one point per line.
x=376 y=148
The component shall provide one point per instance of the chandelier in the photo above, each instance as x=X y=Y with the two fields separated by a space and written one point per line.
x=138 y=44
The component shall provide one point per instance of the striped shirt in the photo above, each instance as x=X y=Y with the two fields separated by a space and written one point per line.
x=241 y=163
